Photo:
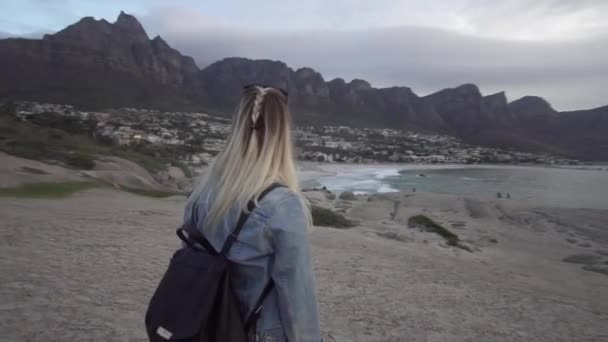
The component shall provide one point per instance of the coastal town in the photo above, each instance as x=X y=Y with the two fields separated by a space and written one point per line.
x=200 y=136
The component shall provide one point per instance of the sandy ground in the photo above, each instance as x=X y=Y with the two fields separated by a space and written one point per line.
x=84 y=268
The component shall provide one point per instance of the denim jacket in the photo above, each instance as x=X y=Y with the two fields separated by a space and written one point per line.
x=273 y=243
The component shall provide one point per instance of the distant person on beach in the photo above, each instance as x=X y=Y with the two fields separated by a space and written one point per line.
x=271 y=255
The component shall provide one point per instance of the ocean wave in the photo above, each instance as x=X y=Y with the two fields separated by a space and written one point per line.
x=386 y=188
x=386 y=173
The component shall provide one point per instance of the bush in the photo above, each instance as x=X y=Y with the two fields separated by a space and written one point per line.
x=327 y=218
x=27 y=140
x=80 y=161
x=149 y=192
x=33 y=170
x=596 y=269
x=582 y=259
x=431 y=226
x=47 y=190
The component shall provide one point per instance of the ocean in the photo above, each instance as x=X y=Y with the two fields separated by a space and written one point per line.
x=546 y=186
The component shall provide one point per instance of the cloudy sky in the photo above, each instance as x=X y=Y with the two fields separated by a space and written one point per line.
x=557 y=49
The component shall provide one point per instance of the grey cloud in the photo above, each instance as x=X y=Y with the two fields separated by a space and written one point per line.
x=568 y=74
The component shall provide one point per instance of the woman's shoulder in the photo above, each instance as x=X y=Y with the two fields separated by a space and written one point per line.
x=280 y=196
x=278 y=199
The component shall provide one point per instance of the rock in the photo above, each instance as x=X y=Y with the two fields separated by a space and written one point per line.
x=347 y=196
x=330 y=196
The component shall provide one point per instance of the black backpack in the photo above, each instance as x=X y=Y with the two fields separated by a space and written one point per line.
x=194 y=300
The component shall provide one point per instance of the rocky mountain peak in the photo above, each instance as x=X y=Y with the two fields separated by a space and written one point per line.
x=468 y=89
x=359 y=84
x=159 y=43
x=86 y=28
x=131 y=26
x=531 y=106
x=497 y=100
x=466 y=93
x=306 y=72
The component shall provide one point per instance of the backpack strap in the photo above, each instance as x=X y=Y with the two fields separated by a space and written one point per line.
x=195 y=235
x=259 y=304
x=244 y=215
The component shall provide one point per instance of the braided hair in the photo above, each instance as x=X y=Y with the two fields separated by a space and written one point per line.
x=257 y=104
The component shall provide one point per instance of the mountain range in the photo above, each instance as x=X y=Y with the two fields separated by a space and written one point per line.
x=97 y=64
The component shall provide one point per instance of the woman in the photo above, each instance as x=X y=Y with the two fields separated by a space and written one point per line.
x=273 y=244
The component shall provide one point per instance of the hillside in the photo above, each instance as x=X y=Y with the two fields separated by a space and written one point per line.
x=98 y=64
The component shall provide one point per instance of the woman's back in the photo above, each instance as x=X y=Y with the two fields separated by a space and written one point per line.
x=272 y=245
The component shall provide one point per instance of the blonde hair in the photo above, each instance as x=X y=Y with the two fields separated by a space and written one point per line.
x=258 y=153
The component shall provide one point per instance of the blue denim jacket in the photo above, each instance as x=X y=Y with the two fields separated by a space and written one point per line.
x=273 y=243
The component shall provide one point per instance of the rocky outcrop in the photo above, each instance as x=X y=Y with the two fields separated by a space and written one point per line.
x=123 y=46
x=97 y=63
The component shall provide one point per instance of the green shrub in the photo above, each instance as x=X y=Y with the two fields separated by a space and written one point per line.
x=31 y=141
x=327 y=218
x=149 y=193
x=596 y=269
x=47 y=190
x=582 y=259
x=429 y=225
x=33 y=170
x=80 y=161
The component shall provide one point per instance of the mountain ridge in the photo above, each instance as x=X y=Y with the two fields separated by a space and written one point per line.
x=96 y=63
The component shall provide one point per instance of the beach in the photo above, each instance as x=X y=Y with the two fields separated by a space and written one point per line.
x=84 y=267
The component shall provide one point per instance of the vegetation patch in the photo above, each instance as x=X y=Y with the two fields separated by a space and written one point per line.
x=328 y=218
x=33 y=171
x=31 y=141
x=587 y=259
x=80 y=161
x=150 y=193
x=429 y=225
x=47 y=190
x=602 y=252
x=596 y=269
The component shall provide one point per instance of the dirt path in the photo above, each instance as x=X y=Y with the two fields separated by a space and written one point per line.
x=83 y=269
